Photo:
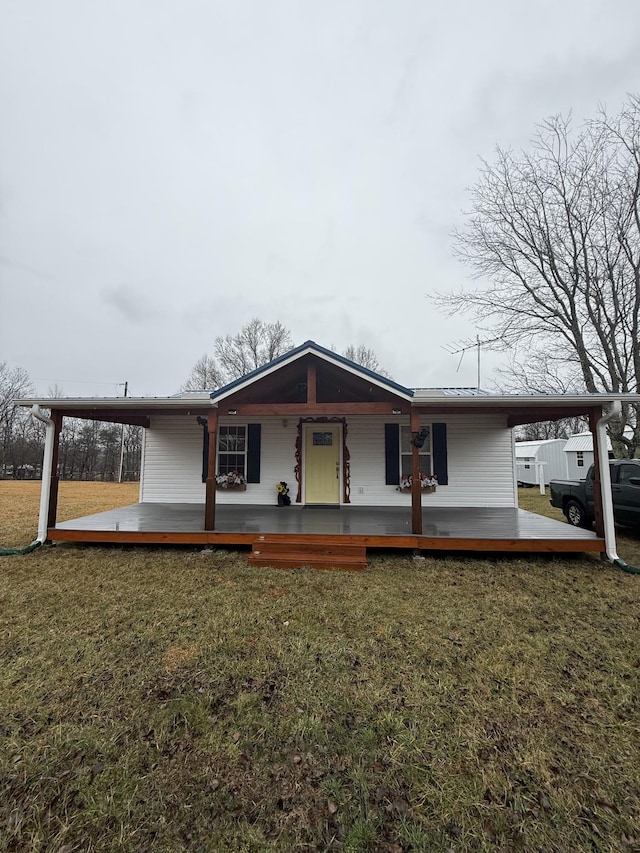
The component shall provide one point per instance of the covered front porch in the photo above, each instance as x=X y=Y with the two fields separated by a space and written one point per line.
x=443 y=528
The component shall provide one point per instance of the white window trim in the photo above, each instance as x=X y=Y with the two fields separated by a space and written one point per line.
x=428 y=453
x=221 y=453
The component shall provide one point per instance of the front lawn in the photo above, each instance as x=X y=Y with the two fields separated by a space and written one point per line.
x=168 y=699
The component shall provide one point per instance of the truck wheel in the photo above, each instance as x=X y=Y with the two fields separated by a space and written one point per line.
x=576 y=515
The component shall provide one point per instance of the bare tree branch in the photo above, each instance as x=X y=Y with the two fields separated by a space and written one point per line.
x=255 y=344
x=365 y=357
x=553 y=238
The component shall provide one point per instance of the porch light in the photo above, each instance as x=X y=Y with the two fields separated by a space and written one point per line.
x=232 y=411
x=396 y=411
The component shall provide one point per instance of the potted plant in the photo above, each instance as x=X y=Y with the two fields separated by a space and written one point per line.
x=283 y=494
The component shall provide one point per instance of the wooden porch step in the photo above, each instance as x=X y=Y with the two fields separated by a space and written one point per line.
x=318 y=553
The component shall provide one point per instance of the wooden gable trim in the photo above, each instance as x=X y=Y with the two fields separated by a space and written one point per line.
x=297 y=361
x=312 y=384
x=312 y=381
x=313 y=409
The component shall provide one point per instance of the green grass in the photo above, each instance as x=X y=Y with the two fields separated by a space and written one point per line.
x=164 y=699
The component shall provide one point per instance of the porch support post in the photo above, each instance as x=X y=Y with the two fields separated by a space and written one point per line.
x=416 y=494
x=210 y=494
x=594 y=416
x=56 y=417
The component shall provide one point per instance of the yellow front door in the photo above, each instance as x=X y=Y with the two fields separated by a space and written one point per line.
x=322 y=464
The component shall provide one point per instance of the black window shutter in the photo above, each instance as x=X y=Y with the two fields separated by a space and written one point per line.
x=205 y=447
x=439 y=438
x=254 y=433
x=392 y=454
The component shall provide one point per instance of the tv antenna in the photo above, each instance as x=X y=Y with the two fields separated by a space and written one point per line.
x=462 y=346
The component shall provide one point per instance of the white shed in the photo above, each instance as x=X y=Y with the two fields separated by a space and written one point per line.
x=546 y=456
x=579 y=455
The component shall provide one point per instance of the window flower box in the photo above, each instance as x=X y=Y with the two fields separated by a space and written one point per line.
x=231 y=481
x=428 y=483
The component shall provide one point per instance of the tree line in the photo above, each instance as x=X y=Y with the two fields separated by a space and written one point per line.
x=88 y=450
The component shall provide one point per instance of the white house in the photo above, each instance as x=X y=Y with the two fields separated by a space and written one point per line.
x=369 y=463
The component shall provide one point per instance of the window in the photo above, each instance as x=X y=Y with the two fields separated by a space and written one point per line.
x=580 y=458
x=406 y=454
x=626 y=472
x=322 y=439
x=433 y=453
x=232 y=449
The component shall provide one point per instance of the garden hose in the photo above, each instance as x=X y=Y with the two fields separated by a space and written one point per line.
x=13 y=552
x=632 y=570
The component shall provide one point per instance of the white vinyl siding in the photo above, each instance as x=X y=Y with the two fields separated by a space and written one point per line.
x=172 y=462
x=480 y=462
x=479 y=454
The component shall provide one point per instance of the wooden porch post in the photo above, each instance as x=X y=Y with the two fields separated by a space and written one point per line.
x=416 y=493
x=594 y=417
x=210 y=494
x=56 y=417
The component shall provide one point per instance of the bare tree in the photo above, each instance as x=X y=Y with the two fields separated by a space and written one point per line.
x=551 y=429
x=255 y=344
x=540 y=374
x=205 y=375
x=14 y=433
x=554 y=233
x=365 y=357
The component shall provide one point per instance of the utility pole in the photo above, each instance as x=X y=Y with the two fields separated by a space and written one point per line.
x=126 y=388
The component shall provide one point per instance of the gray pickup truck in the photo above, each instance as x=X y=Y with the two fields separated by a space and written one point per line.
x=575 y=497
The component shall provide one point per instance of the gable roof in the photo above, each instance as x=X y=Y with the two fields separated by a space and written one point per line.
x=582 y=441
x=311 y=348
x=538 y=442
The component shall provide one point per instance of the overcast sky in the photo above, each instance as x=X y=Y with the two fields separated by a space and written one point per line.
x=169 y=170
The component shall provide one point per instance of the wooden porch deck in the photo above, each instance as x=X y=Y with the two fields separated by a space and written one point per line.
x=450 y=529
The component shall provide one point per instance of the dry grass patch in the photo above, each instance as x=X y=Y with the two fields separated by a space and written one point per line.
x=159 y=699
x=20 y=501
